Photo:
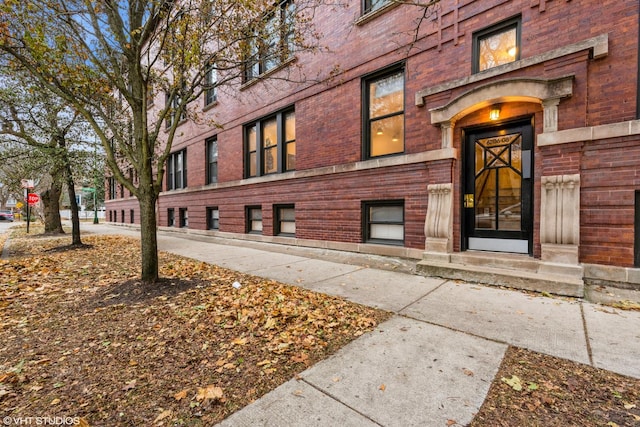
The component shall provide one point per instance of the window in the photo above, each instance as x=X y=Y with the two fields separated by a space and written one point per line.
x=384 y=114
x=213 y=219
x=254 y=219
x=285 y=220
x=210 y=91
x=372 y=5
x=384 y=222
x=171 y=217
x=272 y=43
x=212 y=160
x=131 y=216
x=122 y=216
x=183 y=214
x=497 y=45
x=131 y=180
x=177 y=170
x=112 y=188
x=175 y=103
x=271 y=145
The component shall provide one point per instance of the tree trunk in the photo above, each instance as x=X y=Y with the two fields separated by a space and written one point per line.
x=51 y=203
x=148 y=238
x=75 y=218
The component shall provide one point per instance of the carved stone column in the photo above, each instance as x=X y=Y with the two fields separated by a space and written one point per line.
x=560 y=224
x=446 y=128
x=550 y=108
x=438 y=226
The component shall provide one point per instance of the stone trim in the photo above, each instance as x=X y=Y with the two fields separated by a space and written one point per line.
x=545 y=91
x=590 y=133
x=362 y=248
x=599 y=46
x=363 y=19
x=406 y=159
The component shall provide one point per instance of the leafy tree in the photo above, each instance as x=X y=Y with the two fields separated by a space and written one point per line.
x=51 y=130
x=113 y=59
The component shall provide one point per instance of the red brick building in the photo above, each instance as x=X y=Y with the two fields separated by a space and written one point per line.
x=501 y=138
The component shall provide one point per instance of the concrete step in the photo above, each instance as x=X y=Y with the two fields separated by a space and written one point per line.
x=509 y=271
x=495 y=259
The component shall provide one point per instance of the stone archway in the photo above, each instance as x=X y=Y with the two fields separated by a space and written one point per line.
x=547 y=92
x=440 y=211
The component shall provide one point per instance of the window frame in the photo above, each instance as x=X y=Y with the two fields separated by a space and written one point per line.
x=212 y=220
x=210 y=89
x=211 y=177
x=367 y=6
x=112 y=188
x=367 y=82
x=498 y=28
x=281 y=146
x=258 y=61
x=175 y=102
x=172 y=172
x=183 y=217
x=250 y=219
x=366 y=222
x=279 y=220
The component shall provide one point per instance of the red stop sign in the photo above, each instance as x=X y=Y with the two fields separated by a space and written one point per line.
x=33 y=198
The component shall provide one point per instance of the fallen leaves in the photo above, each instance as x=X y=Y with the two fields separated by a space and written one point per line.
x=181 y=394
x=80 y=334
x=210 y=392
x=513 y=382
x=626 y=305
x=533 y=389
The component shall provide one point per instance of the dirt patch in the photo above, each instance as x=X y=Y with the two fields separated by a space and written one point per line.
x=135 y=291
x=533 y=389
x=81 y=338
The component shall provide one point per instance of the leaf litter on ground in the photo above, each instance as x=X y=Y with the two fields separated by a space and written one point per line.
x=80 y=336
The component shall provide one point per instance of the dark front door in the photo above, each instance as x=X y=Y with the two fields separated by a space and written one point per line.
x=498 y=187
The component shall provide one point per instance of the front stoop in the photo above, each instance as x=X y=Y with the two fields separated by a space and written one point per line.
x=500 y=269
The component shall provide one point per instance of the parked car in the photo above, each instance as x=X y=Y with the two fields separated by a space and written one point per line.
x=6 y=216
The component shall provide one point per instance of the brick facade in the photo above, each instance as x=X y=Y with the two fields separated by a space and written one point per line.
x=332 y=180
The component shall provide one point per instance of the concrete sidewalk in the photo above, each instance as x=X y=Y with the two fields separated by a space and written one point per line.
x=413 y=370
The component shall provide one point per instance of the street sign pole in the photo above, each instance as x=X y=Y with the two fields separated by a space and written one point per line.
x=28 y=211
